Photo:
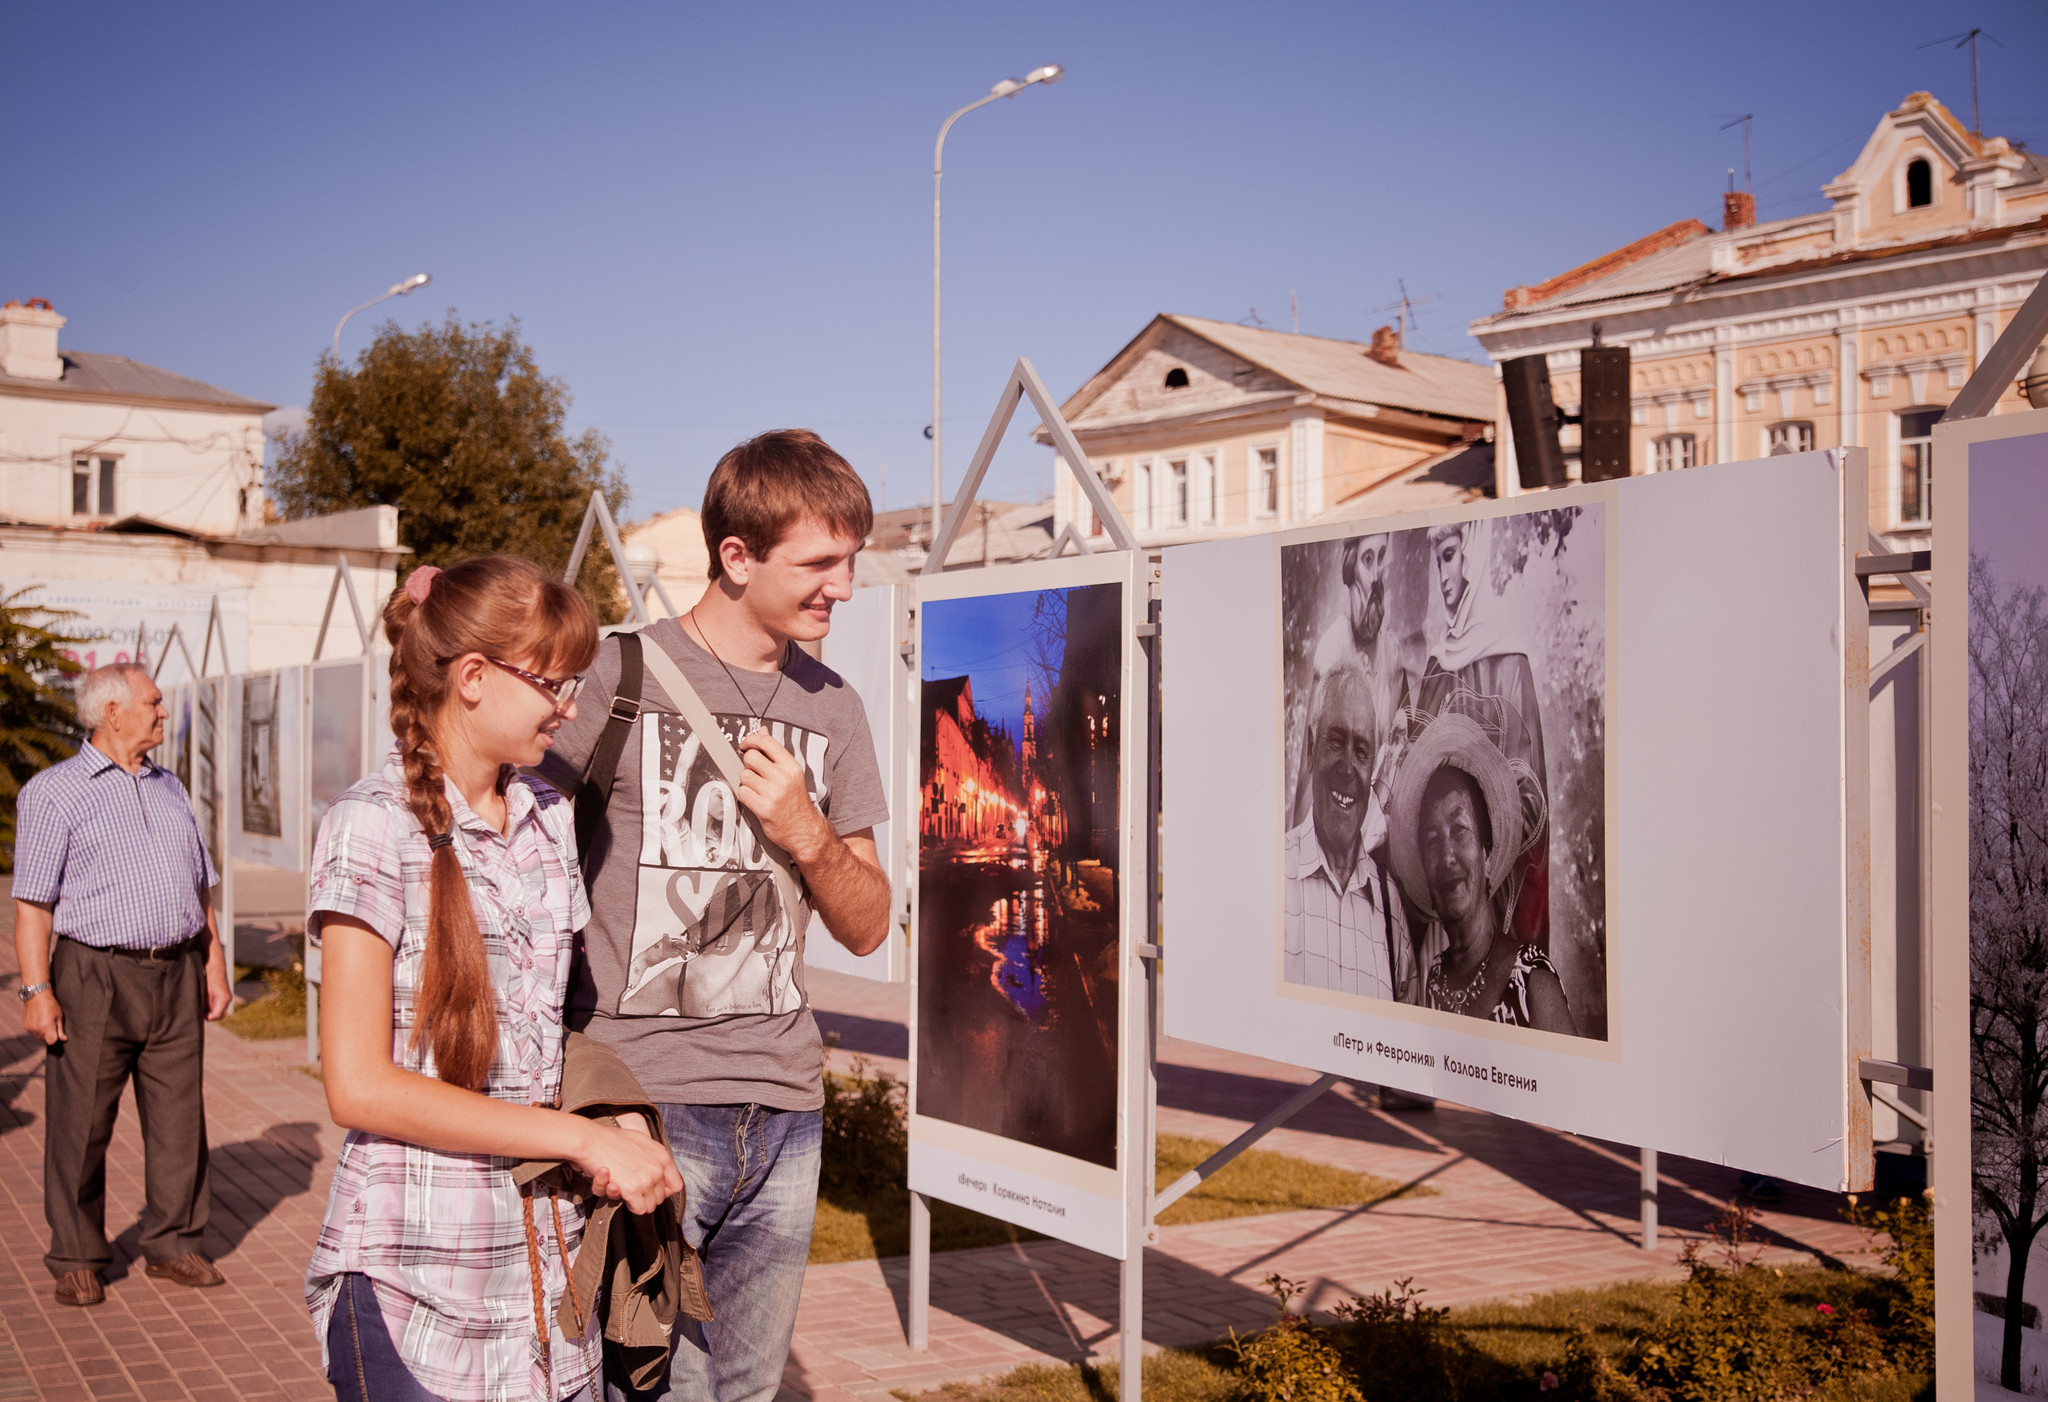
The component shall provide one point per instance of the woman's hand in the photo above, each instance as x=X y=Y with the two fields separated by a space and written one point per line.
x=628 y=1164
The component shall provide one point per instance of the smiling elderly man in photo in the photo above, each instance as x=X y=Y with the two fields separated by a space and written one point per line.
x=108 y=860
x=1341 y=923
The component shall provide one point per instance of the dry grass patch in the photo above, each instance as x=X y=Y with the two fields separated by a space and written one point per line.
x=278 y=1014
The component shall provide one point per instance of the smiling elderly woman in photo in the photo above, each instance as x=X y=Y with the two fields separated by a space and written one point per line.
x=1461 y=819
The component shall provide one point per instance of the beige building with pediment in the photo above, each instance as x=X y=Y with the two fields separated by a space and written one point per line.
x=1204 y=428
x=1852 y=326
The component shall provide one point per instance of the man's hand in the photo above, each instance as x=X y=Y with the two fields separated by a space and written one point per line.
x=773 y=790
x=45 y=1018
x=220 y=999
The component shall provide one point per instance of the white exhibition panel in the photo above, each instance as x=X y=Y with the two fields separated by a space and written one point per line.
x=1734 y=827
x=861 y=648
x=267 y=796
x=1095 y=1205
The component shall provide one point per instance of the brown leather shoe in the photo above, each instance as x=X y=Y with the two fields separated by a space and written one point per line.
x=190 y=1269
x=80 y=1287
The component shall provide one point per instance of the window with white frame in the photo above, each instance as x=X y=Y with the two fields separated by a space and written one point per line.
x=1792 y=436
x=92 y=485
x=1179 y=503
x=1266 y=482
x=1212 y=490
x=1916 y=465
x=1675 y=450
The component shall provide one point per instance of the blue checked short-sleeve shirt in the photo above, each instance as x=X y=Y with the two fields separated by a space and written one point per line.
x=118 y=854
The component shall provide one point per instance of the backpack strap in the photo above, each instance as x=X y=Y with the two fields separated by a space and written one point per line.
x=595 y=792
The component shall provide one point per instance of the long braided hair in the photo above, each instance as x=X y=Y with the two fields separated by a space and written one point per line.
x=504 y=608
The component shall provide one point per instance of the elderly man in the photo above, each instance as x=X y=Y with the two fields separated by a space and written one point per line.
x=1341 y=926
x=108 y=860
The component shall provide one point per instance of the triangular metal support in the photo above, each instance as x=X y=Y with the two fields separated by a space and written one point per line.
x=176 y=635
x=599 y=515
x=344 y=579
x=214 y=628
x=1070 y=536
x=1023 y=383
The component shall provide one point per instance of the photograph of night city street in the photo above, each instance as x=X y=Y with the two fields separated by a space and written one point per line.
x=1018 y=882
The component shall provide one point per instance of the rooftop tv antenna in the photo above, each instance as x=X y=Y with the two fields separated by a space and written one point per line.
x=1406 y=307
x=1970 y=37
x=1742 y=121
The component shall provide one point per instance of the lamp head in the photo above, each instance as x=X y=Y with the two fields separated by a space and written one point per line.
x=411 y=284
x=1008 y=87
x=2034 y=384
x=1049 y=74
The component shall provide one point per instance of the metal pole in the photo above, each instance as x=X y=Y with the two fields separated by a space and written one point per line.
x=1649 y=1199
x=227 y=742
x=1130 y=1351
x=920 y=1272
x=1009 y=87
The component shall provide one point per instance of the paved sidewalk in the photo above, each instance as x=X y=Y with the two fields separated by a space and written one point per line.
x=1520 y=1210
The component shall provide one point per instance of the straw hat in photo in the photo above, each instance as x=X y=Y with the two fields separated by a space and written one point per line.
x=1453 y=741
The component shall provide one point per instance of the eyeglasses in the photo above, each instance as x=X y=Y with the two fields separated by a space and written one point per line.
x=562 y=691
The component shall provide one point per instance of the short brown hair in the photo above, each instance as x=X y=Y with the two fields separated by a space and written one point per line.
x=770 y=482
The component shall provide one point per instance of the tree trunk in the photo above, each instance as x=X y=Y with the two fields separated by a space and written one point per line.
x=2015 y=1308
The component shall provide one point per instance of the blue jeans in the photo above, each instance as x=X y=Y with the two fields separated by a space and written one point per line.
x=752 y=1176
x=362 y=1362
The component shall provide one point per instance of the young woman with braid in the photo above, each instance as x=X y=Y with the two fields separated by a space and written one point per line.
x=445 y=901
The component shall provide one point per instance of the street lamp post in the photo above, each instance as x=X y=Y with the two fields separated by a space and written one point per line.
x=397 y=289
x=1008 y=87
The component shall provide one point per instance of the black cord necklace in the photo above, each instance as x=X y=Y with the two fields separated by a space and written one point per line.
x=780 y=666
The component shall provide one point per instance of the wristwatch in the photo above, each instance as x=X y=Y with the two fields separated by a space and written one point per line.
x=29 y=990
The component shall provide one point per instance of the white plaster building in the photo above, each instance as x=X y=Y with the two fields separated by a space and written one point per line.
x=1852 y=326
x=133 y=496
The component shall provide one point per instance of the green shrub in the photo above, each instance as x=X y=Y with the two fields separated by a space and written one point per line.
x=1293 y=1360
x=278 y=1014
x=1399 y=1342
x=866 y=1146
x=1907 y=1225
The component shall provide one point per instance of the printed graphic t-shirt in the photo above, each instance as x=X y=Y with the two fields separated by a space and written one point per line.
x=692 y=971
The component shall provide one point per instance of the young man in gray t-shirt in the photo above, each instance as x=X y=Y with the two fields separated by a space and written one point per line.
x=691 y=968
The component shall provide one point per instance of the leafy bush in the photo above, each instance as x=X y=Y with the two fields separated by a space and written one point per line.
x=38 y=723
x=1293 y=1360
x=1726 y=1340
x=278 y=1014
x=1399 y=1342
x=866 y=1138
x=1907 y=1227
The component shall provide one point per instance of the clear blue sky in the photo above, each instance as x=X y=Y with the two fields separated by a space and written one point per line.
x=711 y=220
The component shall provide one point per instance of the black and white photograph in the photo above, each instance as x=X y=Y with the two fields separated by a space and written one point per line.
x=2008 y=883
x=262 y=800
x=1445 y=811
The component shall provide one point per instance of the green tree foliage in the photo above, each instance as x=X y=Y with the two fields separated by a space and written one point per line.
x=38 y=723
x=456 y=427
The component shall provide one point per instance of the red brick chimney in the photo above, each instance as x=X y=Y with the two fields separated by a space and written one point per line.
x=1738 y=209
x=1386 y=346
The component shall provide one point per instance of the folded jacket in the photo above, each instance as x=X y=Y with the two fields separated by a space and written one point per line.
x=636 y=1270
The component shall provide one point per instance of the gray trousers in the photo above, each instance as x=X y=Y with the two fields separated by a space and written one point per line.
x=125 y=1017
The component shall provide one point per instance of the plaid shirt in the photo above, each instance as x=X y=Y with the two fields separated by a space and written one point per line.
x=118 y=854
x=442 y=1236
x=1335 y=934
